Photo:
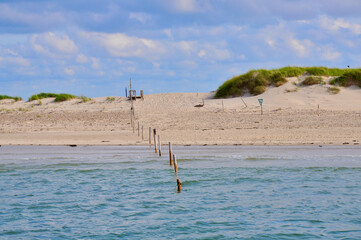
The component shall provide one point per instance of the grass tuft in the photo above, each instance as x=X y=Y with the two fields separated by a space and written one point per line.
x=85 y=99
x=349 y=78
x=110 y=99
x=2 y=97
x=62 y=97
x=58 y=97
x=42 y=95
x=312 y=80
x=333 y=90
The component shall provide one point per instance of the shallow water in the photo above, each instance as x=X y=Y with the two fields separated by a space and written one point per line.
x=233 y=192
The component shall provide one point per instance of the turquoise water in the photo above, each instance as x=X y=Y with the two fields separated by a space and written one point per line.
x=233 y=192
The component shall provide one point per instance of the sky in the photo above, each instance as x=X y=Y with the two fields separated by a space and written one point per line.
x=93 y=48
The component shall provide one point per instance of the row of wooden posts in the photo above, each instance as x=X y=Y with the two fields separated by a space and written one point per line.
x=158 y=147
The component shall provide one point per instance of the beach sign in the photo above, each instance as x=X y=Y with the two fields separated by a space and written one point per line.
x=260 y=100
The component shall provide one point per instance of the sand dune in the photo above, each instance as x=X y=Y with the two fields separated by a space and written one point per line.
x=290 y=117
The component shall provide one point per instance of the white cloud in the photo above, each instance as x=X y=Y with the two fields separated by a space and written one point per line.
x=339 y=23
x=216 y=51
x=69 y=71
x=242 y=57
x=303 y=21
x=122 y=45
x=17 y=61
x=185 y=5
x=95 y=63
x=168 y=32
x=156 y=65
x=141 y=17
x=53 y=45
x=202 y=53
x=301 y=47
x=329 y=53
x=81 y=58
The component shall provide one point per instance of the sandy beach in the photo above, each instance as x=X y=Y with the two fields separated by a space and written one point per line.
x=290 y=117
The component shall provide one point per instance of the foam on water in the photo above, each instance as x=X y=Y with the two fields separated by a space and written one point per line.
x=228 y=192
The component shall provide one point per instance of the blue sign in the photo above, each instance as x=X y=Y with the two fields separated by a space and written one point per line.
x=260 y=101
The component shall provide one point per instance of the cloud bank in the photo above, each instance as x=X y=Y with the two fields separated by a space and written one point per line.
x=93 y=48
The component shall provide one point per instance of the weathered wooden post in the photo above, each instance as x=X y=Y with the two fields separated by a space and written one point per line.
x=244 y=102
x=138 y=130
x=141 y=94
x=175 y=163
x=170 y=154
x=179 y=185
x=159 y=146
x=155 y=140
x=318 y=109
x=222 y=106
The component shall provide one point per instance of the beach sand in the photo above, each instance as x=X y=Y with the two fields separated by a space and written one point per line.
x=290 y=117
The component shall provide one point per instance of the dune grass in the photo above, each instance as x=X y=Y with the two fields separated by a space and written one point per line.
x=333 y=90
x=2 y=97
x=42 y=95
x=61 y=97
x=312 y=80
x=257 y=81
x=64 y=97
x=349 y=78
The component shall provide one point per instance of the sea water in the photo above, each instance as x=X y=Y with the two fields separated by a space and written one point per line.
x=228 y=192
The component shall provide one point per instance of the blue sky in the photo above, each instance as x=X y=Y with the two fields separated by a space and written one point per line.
x=93 y=47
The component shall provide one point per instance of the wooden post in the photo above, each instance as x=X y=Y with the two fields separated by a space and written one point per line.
x=141 y=94
x=318 y=109
x=244 y=102
x=126 y=92
x=179 y=185
x=155 y=140
x=261 y=109
x=150 y=136
x=131 y=109
x=159 y=146
x=138 y=130
x=170 y=154
x=131 y=118
x=222 y=106
x=175 y=163
x=142 y=133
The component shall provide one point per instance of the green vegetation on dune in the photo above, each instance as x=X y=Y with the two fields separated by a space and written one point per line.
x=257 y=81
x=42 y=95
x=64 y=97
x=349 y=78
x=312 y=80
x=58 y=97
x=2 y=97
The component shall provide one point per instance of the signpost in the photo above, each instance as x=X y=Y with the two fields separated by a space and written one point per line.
x=260 y=100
